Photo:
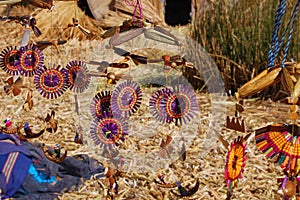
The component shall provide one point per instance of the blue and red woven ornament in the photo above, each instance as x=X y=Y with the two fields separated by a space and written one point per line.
x=101 y=104
x=182 y=104
x=78 y=77
x=178 y=104
x=157 y=104
x=51 y=83
x=10 y=60
x=126 y=99
x=31 y=59
x=235 y=161
x=109 y=131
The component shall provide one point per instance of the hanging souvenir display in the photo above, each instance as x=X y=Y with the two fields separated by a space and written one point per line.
x=126 y=99
x=13 y=85
x=53 y=154
x=235 y=161
x=109 y=130
x=183 y=192
x=28 y=133
x=101 y=104
x=31 y=60
x=51 y=83
x=41 y=45
x=78 y=77
x=10 y=60
x=51 y=123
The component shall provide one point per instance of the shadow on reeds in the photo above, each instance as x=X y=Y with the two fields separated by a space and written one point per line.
x=238 y=38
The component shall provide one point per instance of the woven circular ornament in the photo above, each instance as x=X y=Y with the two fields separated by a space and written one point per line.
x=182 y=105
x=157 y=105
x=101 y=104
x=31 y=59
x=109 y=130
x=235 y=161
x=126 y=99
x=78 y=76
x=10 y=60
x=51 y=83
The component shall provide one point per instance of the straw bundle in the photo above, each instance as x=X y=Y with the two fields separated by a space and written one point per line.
x=54 y=24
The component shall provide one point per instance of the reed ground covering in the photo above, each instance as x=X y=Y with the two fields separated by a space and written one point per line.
x=238 y=38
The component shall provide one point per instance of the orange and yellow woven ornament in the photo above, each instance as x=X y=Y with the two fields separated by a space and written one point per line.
x=235 y=161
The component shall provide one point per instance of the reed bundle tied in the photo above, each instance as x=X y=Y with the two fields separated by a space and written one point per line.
x=288 y=76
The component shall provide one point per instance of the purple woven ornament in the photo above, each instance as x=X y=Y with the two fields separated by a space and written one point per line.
x=10 y=60
x=157 y=105
x=126 y=99
x=178 y=104
x=109 y=131
x=31 y=59
x=101 y=104
x=78 y=76
x=51 y=83
x=182 y=104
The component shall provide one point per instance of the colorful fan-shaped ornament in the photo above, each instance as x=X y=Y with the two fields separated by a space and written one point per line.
x=126 y=98
x=281 y=143
x=157 y=105
x=101 y=104
x=109 y=130
x=10 y=60
x=51 y=83
x=235 y=161
x=31 y=60
x=78 y=76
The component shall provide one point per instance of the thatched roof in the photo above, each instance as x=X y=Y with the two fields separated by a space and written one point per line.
x=110 y=13
x=99 y=9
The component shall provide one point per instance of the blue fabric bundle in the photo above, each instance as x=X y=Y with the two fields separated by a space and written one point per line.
x=27 y=174
x=14 y=164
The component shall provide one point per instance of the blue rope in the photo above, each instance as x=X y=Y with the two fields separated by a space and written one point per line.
x=274 y=43
x=294 y=16
x=275 y=46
